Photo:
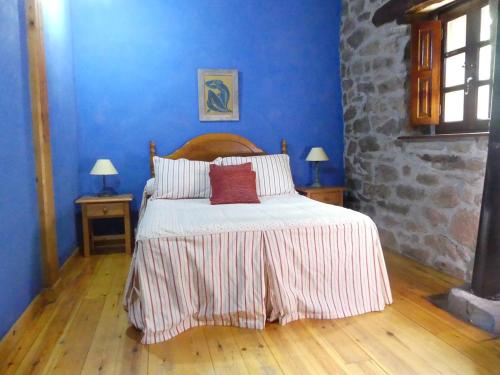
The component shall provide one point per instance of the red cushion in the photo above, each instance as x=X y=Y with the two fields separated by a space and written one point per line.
x=231 y=168
x=233 y=184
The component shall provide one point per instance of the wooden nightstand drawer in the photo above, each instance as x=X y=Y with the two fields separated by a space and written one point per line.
x=105 y=210
x=331 y=195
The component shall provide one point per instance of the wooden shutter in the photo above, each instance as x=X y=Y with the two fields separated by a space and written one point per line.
x=425 y=95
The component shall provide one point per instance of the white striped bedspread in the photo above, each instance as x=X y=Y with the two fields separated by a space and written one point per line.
x=285 y=259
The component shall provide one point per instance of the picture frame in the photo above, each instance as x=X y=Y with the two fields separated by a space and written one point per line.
x=218 y=96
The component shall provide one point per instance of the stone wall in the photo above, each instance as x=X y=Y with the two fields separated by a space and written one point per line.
x=424 y=196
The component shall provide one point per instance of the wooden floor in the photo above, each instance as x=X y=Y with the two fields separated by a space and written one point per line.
x=86 y=331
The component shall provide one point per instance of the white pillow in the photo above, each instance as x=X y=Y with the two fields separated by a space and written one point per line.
x=150 y=186
x=274 y=176
x=182 y=178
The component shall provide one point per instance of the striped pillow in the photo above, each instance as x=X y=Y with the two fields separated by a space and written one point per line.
x=182 y=178
x=274 y=176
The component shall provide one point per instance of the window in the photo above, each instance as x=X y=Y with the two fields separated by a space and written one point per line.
x=451 y=74
x=466 y=68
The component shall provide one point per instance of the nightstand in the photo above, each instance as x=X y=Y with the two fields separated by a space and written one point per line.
x=94 y=208
x=327 y=194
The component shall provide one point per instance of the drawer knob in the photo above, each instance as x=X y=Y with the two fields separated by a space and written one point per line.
x=105 y=210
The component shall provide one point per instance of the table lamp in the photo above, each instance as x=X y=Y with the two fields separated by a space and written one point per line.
x=316 y=155
x=104 y=167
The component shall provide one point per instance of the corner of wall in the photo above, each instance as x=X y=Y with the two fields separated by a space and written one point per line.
x=425 y=197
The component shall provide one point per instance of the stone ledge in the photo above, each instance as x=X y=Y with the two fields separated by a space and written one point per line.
x=441 y=137
x=481 y=312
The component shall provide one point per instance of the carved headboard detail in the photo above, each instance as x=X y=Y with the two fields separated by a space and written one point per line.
x=208 y=147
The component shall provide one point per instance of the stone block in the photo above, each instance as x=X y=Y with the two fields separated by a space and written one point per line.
x=390 y=221
x=418 y=253
x=361 y=125
x=478 y=199
x=356 y=6
x=348 y=25
x=350 y=113
x=354 y=184
x=389 y=86
x=463 y=227
x=368 y=210
x=444 y=162
x=450 y=268
x=393 y=207
x=428 y=179
x=386 y=173
x=446 y=197
x=369 y=144
x=413 y=226
x=481 y=312
x=366 y=87
x=357 y=37
x=352 y=148
x=409 y=192
x=347 y=84
x=390 y=127
x=442 y=245
x=382 y=62
x=467 y=196
x=378 y=120
x=357 y=68
x=461 y=147
x=434 y=216
x=482 y=144
x=387 y=239
x=364 y=16
x=371 y=48
x=476 y=165
x=376 y=191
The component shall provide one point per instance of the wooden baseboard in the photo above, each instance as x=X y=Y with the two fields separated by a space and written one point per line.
x=50 y=295
x=32 y=312
x=28 y=317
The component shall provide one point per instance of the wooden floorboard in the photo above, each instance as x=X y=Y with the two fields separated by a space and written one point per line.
x=86 y=331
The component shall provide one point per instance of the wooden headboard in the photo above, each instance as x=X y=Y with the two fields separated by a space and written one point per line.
x=208 y=147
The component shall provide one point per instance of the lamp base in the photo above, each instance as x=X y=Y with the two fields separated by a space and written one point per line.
x=107 y=192
x=316 y=181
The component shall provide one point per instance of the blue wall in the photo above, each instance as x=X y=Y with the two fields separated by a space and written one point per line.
x=123 y=72
x=20 y=265
x=20 y=270
x=63 y=121
x=135 y=74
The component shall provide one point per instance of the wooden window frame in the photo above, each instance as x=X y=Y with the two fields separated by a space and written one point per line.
x=470 y=123
x=425 y=72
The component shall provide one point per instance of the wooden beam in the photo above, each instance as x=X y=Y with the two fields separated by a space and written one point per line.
x=392 y=10
x=401 y=9
x=430 y=5
x=42 y=147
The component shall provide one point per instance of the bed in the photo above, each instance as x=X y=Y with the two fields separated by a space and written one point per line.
x=285 y=259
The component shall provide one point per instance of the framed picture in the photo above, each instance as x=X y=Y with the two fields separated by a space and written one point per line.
x=218 y=95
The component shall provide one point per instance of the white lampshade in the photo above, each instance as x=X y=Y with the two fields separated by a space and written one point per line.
x=103 y=167
x=317 y=154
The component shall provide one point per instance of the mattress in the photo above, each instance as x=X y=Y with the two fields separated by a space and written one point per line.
x=187 y=217
x=241 y=265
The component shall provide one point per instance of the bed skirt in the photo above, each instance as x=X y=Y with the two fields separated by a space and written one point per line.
x=320 y=272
